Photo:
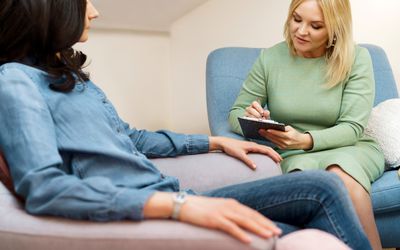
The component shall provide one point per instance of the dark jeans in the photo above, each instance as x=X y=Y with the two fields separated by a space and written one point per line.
x=310 y=199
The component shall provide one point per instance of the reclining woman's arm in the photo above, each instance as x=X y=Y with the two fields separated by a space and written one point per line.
x=216 y=213
x=28 y=140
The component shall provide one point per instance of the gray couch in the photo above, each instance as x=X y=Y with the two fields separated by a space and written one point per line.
x=19 y=230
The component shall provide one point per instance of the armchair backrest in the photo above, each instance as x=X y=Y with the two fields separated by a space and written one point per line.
x=227 y=68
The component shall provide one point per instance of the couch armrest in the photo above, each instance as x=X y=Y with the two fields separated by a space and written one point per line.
x=19 y=230
x=209 y=171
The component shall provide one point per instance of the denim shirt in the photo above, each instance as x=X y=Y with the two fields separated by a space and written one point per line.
x=71 y=155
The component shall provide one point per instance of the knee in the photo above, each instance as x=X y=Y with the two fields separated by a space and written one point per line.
x=326 y=181
x=355 y=189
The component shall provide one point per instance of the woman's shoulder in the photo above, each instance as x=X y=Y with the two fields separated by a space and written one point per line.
x=21 y=78
x=277 y=53
x=361 y=57
x=17 y=70
x=361 y=53
x=279 y=47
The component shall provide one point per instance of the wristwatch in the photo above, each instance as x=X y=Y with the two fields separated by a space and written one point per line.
x=178 y=200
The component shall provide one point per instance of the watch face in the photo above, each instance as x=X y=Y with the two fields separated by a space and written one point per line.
x=178 y=200
x=180 y=197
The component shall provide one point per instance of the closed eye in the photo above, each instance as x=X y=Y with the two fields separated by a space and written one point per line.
x=296 y=19
x=316 y=27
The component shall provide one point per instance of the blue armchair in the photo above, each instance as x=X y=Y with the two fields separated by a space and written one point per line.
x=227 y=69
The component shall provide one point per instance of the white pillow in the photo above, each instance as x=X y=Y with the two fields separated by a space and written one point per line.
x=384 y=127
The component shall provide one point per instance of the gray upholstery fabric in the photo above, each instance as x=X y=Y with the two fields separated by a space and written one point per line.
x=19 y=230
x=214 y=170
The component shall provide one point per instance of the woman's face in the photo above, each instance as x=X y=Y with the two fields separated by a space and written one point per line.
x=91 y=13
x=308 y=31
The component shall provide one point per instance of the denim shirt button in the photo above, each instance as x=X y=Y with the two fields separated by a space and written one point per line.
x=104 y=101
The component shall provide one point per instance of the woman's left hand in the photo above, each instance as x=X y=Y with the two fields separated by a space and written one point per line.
x=288 y=139
x=240 y=149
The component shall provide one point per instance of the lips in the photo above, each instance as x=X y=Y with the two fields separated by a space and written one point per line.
x=300 y=40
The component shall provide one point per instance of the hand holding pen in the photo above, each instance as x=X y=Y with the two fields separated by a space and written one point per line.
x=256 y=110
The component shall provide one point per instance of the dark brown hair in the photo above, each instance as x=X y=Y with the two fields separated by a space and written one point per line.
x=41 y=33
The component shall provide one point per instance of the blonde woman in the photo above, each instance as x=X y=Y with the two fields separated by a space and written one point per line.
x=71 y=155
x=321 y=85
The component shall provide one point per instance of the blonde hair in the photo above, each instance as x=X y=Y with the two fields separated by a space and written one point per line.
x=340 y=48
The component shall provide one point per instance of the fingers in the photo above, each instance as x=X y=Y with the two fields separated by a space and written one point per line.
x=277 y=140
x=253 y=225
x=251 y=112
x=263 y=223
x=227 y=215
x=275 y=156
x=256 y=105
x=245 y=158
x=255 y=110
x=234 y=230
x=240 y=217
x=257 y=148
x=252 y=220
x=266 y=114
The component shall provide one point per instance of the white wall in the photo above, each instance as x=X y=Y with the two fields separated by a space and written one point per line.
x=252 y=23
x=133 y=69
x=218 y=23
x=376 y=21
x=157 y=80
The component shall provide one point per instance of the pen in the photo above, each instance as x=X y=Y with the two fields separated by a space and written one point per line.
x=261 y=113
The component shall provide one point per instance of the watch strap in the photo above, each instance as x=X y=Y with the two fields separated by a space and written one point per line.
x=178 y=200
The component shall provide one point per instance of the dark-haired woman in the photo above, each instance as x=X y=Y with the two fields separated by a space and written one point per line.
x=70 y=154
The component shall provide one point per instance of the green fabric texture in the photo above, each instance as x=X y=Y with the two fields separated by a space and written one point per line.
x=295 y=92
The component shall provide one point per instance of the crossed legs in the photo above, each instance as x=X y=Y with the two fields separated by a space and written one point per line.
x=310 y=199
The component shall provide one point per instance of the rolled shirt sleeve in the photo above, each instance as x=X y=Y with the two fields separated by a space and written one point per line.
x=165 y=143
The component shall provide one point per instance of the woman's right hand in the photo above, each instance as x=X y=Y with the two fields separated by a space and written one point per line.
x=227 y=215
x=256 y=111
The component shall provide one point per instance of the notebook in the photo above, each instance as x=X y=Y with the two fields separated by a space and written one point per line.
x=250 y=126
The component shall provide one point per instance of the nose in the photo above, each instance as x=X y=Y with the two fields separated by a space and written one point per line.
x=92 y=11
x=303 y=30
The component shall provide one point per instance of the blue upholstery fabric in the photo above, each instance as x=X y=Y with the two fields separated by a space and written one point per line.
x=227 y=69
x=385 y=84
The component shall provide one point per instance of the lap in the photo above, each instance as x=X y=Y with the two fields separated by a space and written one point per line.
x=362 y=162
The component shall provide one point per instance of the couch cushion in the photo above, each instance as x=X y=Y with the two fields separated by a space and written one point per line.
x=385 y=193
x=384 y=127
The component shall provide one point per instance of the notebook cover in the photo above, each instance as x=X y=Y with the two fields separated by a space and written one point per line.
x=250 y=127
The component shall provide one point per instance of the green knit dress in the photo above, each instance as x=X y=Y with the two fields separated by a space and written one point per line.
x=296 y=94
